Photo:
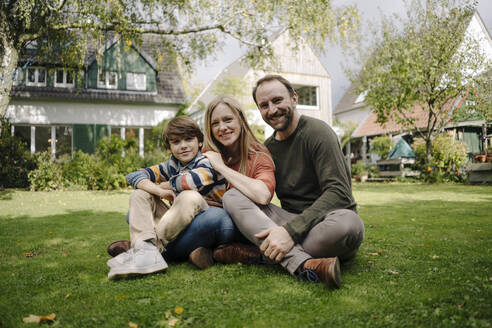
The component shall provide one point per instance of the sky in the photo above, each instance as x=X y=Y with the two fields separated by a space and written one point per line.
x=369 y=10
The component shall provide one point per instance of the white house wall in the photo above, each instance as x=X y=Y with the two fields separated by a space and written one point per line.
x=47 y=112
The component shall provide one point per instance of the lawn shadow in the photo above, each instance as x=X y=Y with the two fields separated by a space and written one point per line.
x=6 y=194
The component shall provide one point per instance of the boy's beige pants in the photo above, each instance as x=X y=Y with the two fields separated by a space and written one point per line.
x=151 y=219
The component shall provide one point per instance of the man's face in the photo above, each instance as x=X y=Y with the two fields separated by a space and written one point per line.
x=276 y=104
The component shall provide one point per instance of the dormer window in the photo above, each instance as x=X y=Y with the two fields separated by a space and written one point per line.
x=107 y=80
x=361 y=97
x=136 y=81
x=36 y=76
x=64 y=78
x=307 y=97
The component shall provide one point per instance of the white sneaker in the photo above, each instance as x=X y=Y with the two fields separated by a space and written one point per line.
x=144 y=259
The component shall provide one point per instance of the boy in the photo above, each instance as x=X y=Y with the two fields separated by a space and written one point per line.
x=190 y=176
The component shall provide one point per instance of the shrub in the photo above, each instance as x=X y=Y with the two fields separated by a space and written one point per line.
x=359 y=167
x=381 y=145
x=15 y=160
x=448 y=156
x=48 y=175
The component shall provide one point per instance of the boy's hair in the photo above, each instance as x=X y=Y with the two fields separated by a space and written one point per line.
x=181 y=127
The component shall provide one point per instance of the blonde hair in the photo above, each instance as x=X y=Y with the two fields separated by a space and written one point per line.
x=247 y=140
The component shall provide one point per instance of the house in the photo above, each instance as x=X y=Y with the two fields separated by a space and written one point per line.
x=302 y=68
x=352 y=108
x=65 y=109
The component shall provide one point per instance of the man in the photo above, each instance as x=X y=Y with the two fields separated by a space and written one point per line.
x=317 y=225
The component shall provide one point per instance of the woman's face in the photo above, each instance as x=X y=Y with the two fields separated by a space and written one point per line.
x=225 y=126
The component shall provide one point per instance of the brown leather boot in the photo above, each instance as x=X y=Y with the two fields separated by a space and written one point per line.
x=118 y=247
x=238 y=253
x=326 y=270
x=202 y=257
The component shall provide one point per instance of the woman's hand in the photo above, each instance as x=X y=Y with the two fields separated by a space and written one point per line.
x=215 y=159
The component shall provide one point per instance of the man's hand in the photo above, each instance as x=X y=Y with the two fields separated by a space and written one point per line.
x=276 y=244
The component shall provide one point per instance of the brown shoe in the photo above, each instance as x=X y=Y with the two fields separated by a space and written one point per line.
x=118 y=247
x=202 y=257
x=238 y=253
x=326 y=270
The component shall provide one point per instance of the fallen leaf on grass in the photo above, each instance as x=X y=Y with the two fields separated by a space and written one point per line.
x=39 y=318
x=173 y=322
x=479 y=230
x=393 y=272
x=178 y=310
x=132 y=324
x=372 y=226
x=435 y=257
x=30 y=254
x=374 y=254
x=50 y=233
x=68 y=295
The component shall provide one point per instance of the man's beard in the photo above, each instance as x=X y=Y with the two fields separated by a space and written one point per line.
x=288 y=119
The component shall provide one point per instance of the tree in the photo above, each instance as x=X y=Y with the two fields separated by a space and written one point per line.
x=186 y=29
x=428 y=62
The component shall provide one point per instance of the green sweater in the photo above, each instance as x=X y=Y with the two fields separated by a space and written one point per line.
x=312 y=176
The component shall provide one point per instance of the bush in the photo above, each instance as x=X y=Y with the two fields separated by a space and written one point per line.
x=15 y=160
x=48 y=175
x=448 y=157
x=105 y=170
x=381 y=145
x=359 y=167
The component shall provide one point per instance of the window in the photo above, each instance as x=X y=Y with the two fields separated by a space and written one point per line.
x=107 y=80
x=307 y=97
x=361 y=97
x=64 y=78
x=136 y=81
x=36 y=76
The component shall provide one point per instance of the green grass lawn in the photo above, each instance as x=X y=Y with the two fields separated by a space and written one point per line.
x=426 y=262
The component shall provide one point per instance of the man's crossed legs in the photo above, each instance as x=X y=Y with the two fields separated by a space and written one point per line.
x=338 y=236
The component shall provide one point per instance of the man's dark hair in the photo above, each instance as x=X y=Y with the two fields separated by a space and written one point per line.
x=181 y=127
x=271 y=77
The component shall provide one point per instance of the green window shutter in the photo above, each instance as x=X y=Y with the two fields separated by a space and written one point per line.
x=84 y=138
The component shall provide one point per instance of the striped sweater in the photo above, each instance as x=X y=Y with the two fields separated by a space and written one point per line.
x=197 y=175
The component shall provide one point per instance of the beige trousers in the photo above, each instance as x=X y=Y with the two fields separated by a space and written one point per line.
x=339 y=234
x=151 y=219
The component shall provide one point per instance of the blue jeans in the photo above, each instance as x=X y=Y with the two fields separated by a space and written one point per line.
x=210 y=229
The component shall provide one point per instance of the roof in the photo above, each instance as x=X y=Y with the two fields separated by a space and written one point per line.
x=169 y=83
x=347 y=102
x=370 y=127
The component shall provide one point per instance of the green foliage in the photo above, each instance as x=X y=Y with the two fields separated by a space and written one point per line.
x=48 y=175
x=447 y=159
x=105 y=170
x=15 y=159
x=232 y=86
x=259 y=131
x=69 y=26
x=381 y=145
x=359 y=168
x=348 y=129
x=428 y=64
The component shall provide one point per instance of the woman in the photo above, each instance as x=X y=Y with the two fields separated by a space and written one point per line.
x=234 y=151
x=246 y=164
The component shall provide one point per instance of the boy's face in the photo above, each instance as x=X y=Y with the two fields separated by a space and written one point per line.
x=184 y=149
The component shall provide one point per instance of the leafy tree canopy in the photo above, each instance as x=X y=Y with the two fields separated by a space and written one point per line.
x=428 y=61
x=183 y=29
